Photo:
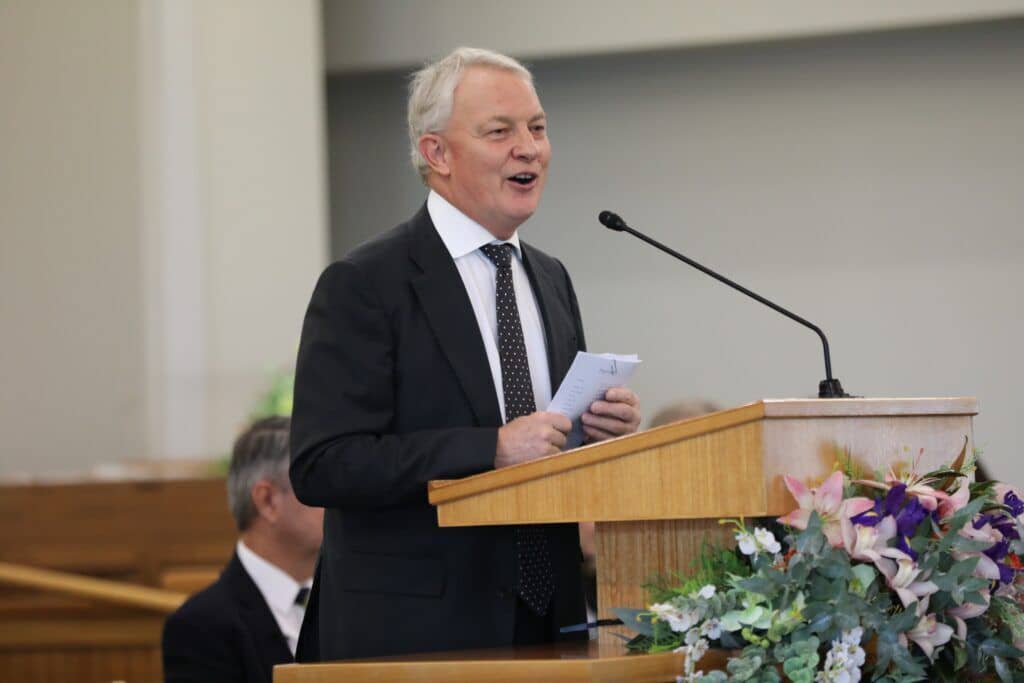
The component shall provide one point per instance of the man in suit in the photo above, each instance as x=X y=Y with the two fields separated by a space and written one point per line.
x=246 y=622
x=425 y=354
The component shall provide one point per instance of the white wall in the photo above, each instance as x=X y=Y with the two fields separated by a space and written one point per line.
x=163 y=222
x=870 y=183
x=380 y=34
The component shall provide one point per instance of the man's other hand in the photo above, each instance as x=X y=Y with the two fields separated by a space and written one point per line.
x=531 y=436
x=616 y=415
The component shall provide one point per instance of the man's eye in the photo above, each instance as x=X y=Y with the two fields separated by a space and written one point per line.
x=494 y=132
x=539 y=128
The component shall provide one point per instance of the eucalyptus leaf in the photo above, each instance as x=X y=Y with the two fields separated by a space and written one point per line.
x=637 y=619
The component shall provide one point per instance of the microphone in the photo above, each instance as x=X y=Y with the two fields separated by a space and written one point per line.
x=827 y=388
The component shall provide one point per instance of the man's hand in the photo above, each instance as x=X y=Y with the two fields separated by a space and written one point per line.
x=616 y=415
x=529 y=437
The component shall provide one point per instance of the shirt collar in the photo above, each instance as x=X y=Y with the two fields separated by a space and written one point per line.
x=460 y=233
x=278 y=588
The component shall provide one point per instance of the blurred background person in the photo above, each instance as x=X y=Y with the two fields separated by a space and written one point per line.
x=249 y=620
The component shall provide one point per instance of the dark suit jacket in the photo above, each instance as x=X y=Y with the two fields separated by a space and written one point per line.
x=393 y=389
x=224 y=633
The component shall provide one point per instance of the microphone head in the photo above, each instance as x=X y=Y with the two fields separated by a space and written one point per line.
x=611 y=220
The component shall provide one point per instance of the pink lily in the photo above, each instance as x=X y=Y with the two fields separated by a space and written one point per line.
x=958 y=500
x=986 y=567
x=866 y=543
x=902 y=574
x=917 y=485
x=970 y=610
x=827 y=501
x=929 y=634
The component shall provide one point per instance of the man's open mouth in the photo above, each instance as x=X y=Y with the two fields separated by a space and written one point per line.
x=523 y=178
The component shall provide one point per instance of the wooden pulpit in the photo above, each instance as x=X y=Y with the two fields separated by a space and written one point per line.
x=656 y=495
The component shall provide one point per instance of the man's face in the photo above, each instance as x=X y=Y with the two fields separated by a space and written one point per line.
x=496 y=149
x=302 y=525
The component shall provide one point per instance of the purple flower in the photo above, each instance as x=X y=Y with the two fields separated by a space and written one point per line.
x=982 y=520
x=1015 y=504
x=895 y=498
x=869 y=517
x=998 y=550
x=903 y=543
x=910 y=517
x=906 y=511
x=1006 y=527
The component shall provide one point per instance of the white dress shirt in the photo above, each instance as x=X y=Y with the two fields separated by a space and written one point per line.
x=463 y=237
x=278 y=590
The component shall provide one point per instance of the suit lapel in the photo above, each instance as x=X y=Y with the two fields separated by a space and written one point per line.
x=450 y=314
x=557 y=319
x=271 y=646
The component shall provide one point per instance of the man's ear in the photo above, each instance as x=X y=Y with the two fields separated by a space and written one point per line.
x=264 y=499
x=435 y=151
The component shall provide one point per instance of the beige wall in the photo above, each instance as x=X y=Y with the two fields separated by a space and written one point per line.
x=163 y=221
x=70 y=279
x=380 y=34
x=264 y=203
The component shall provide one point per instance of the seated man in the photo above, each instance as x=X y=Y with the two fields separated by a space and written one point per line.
x=248 y=620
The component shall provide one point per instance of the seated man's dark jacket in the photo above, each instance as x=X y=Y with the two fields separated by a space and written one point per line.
x=224 y=633
x=393 y=389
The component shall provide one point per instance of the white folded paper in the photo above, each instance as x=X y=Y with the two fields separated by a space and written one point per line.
x=589 y=377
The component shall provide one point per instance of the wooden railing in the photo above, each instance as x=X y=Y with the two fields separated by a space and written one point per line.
x=126 y=594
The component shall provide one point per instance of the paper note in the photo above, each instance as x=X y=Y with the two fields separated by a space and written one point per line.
x=589 y=377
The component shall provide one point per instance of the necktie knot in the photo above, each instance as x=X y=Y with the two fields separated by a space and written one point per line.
x=500 y=254
x=302 y=597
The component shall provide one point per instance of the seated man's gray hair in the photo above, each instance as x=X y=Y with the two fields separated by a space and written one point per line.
x=260 y=452
x=432 y=88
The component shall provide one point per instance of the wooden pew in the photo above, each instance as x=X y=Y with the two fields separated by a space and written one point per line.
x=133 y=537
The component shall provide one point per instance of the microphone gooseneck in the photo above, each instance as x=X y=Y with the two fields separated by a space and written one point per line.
x=829 y=387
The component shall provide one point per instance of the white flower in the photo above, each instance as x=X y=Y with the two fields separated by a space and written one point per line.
x=761 y=541
x=694 y=650
x=712 y=628
x=844 y=659
x=679 y=620
x=747 y=543
x=766 y=541
x=698 y=650
x=705 y=593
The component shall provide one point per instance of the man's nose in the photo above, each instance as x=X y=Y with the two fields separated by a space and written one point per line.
x=525 y=146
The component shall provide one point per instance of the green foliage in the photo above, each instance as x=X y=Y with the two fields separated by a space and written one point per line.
x=714 y=565
x=277 y=400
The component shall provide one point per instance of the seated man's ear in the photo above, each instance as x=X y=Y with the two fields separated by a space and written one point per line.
x=266 y=499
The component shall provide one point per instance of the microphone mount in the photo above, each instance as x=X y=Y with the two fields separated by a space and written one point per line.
x=829 y=387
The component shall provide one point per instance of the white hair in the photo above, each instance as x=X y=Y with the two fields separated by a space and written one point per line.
x=432 y=89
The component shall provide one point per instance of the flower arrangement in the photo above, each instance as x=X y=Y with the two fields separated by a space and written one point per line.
x=902 y=577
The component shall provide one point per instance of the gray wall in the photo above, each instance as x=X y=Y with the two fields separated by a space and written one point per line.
x=870 y=183
x=382 y=34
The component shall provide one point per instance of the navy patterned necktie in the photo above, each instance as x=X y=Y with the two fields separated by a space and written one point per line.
x=536 y=578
